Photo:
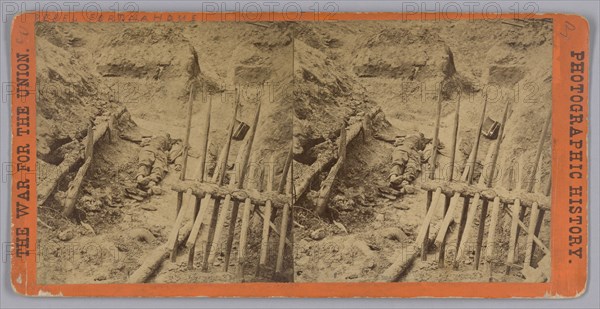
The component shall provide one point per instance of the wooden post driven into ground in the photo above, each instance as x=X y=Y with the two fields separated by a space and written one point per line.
x=430 y=198
x=75 y=185
x=186 y=145
x=495 y=216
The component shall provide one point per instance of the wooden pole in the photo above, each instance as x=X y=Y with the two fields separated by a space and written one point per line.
x=442 y=246
x=491 y=239
x=440 y=239
x=224 y=211
x=477 y=140
x=423 y=229
x=201 y=167
x=240 y=184
x=172 y=242
x=433 y=163
x=536 y=232
x=285 y=218
x=492 y=173
x=75 y=185
x=454 y=139
x=199 y=219
x=460 y=252
x=538 y=153
x=327 y=184
x=264 y=245
x=533 y=219
x=220 y=177
x=245 y=223
x=514 y=234
x=479 y=243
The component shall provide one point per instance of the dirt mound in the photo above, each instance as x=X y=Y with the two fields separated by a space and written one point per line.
x=325 y=96
x=156 y=52
x=412 y=55
x=69 y=94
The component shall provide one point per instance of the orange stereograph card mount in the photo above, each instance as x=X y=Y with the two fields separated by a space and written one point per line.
x=566 y=197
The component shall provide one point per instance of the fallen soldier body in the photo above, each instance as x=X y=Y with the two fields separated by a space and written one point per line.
x=407 y=158
x=154 y=159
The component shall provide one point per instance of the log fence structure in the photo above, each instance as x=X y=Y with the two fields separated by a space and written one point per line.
x=477 y=200
x=214 y=202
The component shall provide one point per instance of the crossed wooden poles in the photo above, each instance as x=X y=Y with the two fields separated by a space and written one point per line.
x=482 y=193
x=225 y=200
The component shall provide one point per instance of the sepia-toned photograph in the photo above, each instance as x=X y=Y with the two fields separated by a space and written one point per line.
x=342 y=151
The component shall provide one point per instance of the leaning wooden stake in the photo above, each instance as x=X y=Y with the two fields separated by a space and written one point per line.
x=285 y=219
x=246 y=222
x=172 y=242
x=75 y=185
x=538 y=153
x=514 y=234
x=199 y=219
x=264 y=245
x=454 y=139
x=431 y=172
x=327 y=184
x=240 y=183
x=533 y=219
x=201 y=168
x=423 y=229
x=460 y=253
x=477 y=140
x=491 y=239
x=154 y=259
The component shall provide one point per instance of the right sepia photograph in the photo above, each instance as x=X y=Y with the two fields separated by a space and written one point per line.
x=422 y=151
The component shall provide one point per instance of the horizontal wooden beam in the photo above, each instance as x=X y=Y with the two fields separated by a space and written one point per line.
x=449 y=188
x=200 y=189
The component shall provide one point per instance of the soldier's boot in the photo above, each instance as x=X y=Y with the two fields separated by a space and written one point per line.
x=154 y=189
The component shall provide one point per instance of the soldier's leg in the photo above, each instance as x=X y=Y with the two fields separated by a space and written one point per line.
x=399 y=161
x=159 y=168
x=413 y=168
x=146 y=159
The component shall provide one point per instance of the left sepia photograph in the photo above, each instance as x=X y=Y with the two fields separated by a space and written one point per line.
x=164 y=152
